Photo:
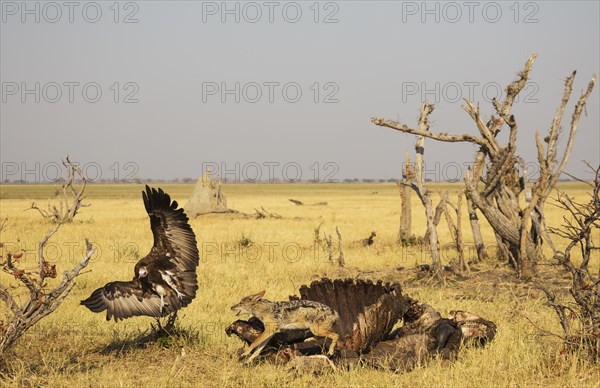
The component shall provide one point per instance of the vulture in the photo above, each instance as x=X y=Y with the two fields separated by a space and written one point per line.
x=165 y=280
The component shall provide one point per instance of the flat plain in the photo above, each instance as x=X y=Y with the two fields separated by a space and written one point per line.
x=240 y=256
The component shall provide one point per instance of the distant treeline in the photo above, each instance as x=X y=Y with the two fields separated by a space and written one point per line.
x=276 y=180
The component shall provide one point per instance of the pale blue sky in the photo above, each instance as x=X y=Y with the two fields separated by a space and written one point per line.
x=378 y=59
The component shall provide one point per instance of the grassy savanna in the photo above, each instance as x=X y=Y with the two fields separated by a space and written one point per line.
x=76 y=347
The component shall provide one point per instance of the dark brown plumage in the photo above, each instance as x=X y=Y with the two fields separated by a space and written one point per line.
x=165 y=280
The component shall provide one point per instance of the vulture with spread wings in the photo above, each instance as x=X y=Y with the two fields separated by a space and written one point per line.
x=165 y=280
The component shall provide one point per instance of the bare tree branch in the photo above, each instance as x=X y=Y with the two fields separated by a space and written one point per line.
x=574 y=124
x=67 y=210
x=8 y=299
x=41 y=302
x=511 y=93
x=585 y=287
x=442 y=136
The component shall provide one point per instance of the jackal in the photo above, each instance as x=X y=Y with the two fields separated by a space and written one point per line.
x=296 y=314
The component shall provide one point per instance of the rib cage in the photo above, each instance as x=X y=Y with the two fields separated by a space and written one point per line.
x=367 y=311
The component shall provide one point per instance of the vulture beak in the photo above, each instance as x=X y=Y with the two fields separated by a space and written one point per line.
x=143 y=272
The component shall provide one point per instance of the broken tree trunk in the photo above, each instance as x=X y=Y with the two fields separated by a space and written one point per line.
x=405 y=236
x=341 y=258
x=418 y=185
x=476 y=231
x=423 y=193
x=439 y=211
x=456 y=231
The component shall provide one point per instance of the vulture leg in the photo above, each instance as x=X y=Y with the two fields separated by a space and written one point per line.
x=171 y=320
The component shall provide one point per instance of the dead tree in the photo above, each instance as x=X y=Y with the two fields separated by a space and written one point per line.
x=476 y=231
x=72 y=196
x=582 y=220
x=437 y=216
x=496 y=191
x=418 y=185
x=329 y=243
x=405 y=235
x=456 y=230
x=41 y=301
x=326 y=243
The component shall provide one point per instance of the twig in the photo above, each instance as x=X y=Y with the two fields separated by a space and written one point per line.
x=341 y=259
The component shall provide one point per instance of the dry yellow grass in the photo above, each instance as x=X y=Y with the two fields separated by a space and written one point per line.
x=70 y=347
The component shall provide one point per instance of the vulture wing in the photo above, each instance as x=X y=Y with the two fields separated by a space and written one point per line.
x=175 y=252
x=126 y=299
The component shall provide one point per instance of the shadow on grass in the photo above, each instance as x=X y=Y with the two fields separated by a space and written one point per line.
x=170 y=335
x=32 y=367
